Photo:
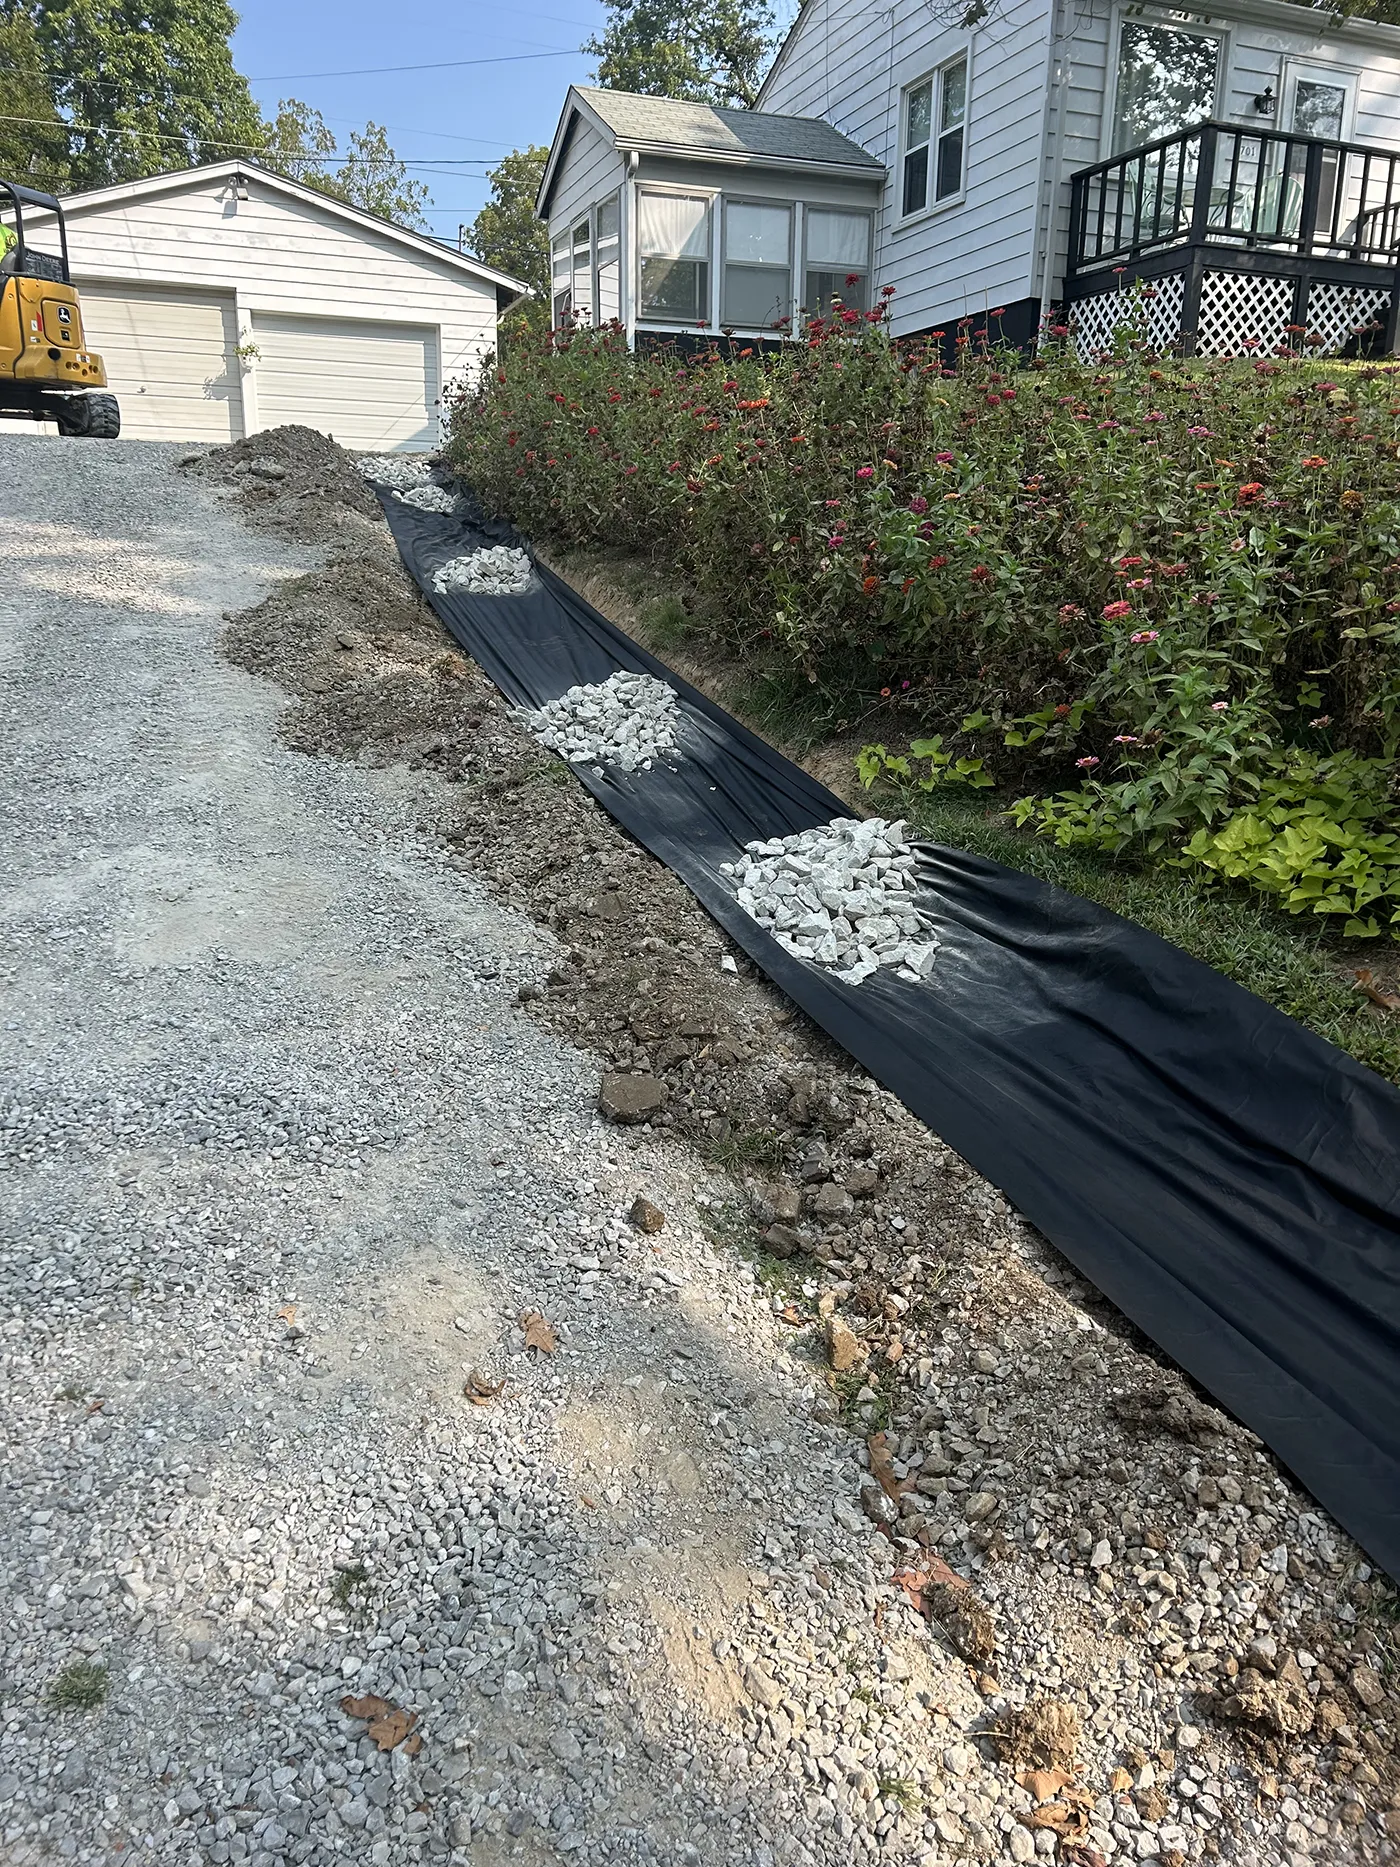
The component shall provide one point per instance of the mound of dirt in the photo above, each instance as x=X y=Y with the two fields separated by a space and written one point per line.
x=295 y=481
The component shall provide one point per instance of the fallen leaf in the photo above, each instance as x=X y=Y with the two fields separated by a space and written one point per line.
x=882 y=1467
x=1120 y=1781
x=97 y=1405
x=538 y=1333
x=792 y=1315
x=1068 y=1817
x=930 y=1572
x=1366 y=983
x=288 y=1313
x=480 y=1390
x=1079 y=1856
x=1043 y=1784
x=388 y=1724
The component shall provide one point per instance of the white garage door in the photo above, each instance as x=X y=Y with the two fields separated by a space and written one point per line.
x=170 y=360
x=369 y=385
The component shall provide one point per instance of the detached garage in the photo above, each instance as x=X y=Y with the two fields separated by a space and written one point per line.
x=225 y=299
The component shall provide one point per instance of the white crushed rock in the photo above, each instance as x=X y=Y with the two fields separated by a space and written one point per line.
x=497 y=570
x=841 y=896
x=429 y=497
x=625 y=721
x=397 y=471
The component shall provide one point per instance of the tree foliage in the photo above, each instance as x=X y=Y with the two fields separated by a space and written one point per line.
x=33 y=139
x=506 y=233
x=146 y=85
x=367 y=174
x=711 y=54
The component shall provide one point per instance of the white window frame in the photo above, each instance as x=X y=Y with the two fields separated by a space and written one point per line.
x=616 y=198
x=828 y=207
x=1343 y=77
x=934 y=78
x=790 y=208
x=1195 y=29
x=566 y=240
x=641 y=319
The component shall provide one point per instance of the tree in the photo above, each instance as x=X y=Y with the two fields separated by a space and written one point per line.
x=507 y=233
x=710 y=54
x=146 y=84
x=33 y=137
x=299 y=144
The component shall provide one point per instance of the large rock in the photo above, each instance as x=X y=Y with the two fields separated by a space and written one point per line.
x=631 y=1098
x=844 y=1349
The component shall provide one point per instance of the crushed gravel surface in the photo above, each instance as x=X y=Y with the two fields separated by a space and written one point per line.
x=429 y=497
x=842 y=896
x=398 y=471
x=835 y=1520
x=627 y=721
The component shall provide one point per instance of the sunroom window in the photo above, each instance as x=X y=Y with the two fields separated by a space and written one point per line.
x=673 y=258
x=935 y=125
x=607 y=257
x=1166 y=82
x=837 y=261
x=563 y=273
x=757 y=265
x=583 y=273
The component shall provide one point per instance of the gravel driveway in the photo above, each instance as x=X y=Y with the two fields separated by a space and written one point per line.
x=376 y=1488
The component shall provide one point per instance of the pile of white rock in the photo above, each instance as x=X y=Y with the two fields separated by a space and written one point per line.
x=497 y=570
x=625 y=721
x=841 y=896
x=399 y=472
x=429 y=497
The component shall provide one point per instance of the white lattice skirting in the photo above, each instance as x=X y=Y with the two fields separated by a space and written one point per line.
x=1152 y=315
x=1241 y=314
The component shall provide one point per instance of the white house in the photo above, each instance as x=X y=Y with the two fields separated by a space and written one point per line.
x=227 y=299
x=1243 y=163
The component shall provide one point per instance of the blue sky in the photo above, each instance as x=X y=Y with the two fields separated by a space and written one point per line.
x=451 y=122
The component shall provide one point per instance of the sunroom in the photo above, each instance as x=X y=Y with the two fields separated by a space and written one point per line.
x=674 y=218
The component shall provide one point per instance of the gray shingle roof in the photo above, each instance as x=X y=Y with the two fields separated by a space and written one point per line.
x=702 y=129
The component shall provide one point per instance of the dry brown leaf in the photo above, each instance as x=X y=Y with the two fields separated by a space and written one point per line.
x=96 y=1406
x=928 y=1573
x=388 y=1724
x=792 y=1316
x=1120 y=1781
x=1367 y=983
x=1043 y=1784
x=480 y=1390
x=538 y=1333
x=882 y=1467
x=288 y=1313
x=1068 y=1816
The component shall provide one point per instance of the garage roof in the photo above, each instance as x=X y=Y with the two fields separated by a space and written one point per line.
x=173 y=183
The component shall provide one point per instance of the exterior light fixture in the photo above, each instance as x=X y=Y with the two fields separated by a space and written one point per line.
x=1265 y=103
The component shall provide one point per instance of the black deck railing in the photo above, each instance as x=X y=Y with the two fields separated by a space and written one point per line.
x=1221 y=185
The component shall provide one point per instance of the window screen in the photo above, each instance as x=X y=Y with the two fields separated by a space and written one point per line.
x=837 y=261
x=608 y=254
x=673 y=255
x=757 y=265
x=952 y=114
x=582 y=273
x=563 y=271
x=935 y=123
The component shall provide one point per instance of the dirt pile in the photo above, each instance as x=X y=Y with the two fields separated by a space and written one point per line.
x=294 y=481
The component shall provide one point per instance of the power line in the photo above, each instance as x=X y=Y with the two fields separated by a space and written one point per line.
x=436 y=64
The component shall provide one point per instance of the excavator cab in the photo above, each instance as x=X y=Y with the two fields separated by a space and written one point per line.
x=47 y=373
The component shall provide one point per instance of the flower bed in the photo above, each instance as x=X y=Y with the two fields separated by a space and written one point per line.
x=1156 y=596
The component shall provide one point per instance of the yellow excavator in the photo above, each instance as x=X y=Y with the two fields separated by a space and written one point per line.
x=47 y=373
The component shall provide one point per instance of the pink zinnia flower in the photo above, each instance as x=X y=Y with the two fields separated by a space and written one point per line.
x=1086 y=764
x=1113 y=612
x=1218 y=706
x=1143 y=635
x=865 y=473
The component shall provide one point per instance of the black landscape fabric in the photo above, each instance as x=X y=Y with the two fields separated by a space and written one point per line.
x=1226 y=1178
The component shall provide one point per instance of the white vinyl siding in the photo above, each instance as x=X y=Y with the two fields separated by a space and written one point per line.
x=591 y=172
x=853 y=66
x=169 y=358
x=369 y=385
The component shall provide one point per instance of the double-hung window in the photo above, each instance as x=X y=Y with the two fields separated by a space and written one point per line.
x=757 y=265
x=563 y=272
x=935 y=125
x=607 y=259
x=837 y=260
x=673 y=258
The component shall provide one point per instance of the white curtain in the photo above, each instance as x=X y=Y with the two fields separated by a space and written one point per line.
x=837 y=242
x=757 y=236
x=671 y=226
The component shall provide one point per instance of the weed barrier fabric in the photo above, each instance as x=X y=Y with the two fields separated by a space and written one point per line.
x=1226 y=1178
